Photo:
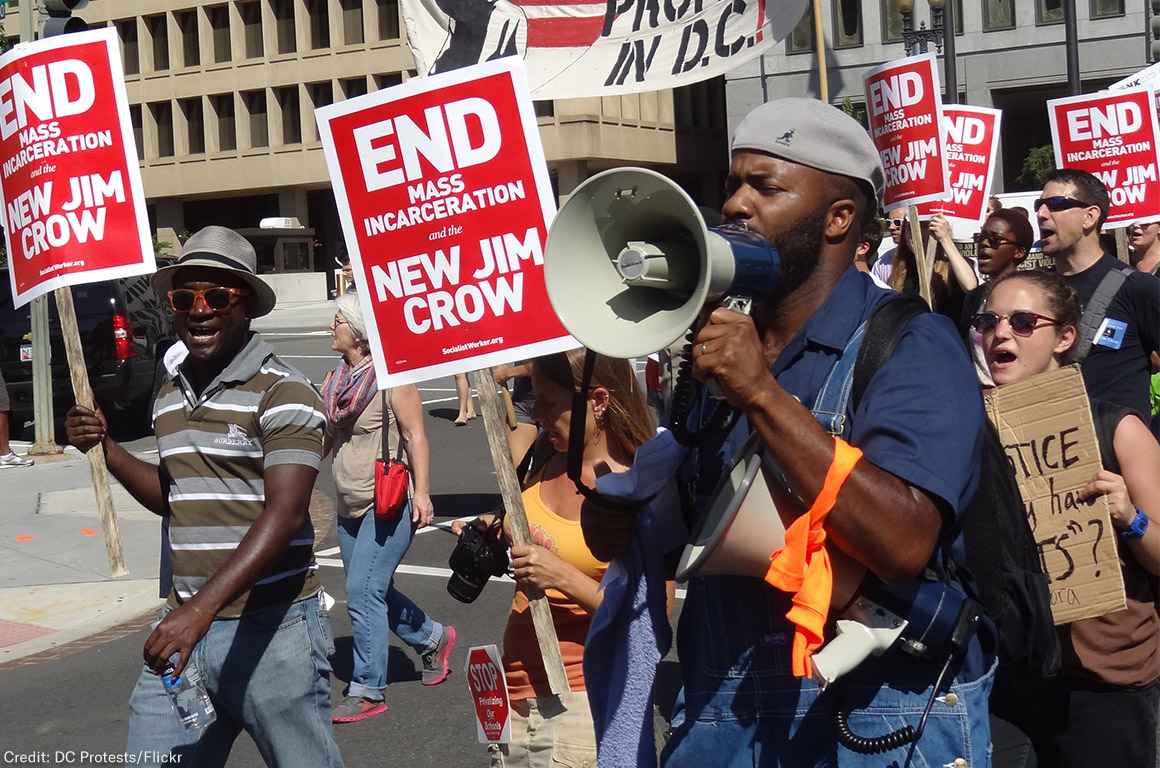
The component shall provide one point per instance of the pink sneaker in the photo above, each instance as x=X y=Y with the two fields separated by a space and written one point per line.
x=437 y=662
x=352 y=709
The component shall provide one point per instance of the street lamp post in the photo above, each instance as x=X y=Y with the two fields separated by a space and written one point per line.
x=942 y=35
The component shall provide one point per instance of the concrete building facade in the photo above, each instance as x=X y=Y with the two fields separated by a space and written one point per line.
x=222 y=95
x=1009 y=53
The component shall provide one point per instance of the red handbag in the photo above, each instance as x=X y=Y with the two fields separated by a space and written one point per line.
x=392 y=478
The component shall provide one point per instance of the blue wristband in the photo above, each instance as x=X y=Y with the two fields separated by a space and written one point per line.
x=1138 y=527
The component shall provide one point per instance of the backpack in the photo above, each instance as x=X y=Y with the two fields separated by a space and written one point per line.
x=1002 y=569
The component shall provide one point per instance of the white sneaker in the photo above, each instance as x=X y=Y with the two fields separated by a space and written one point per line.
x=10 y=459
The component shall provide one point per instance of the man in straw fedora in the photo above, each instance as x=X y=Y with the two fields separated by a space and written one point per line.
x=239 y=434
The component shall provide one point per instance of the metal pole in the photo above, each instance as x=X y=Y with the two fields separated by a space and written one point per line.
x=764 y=85
x=951 y=65
x=45 y=437
x=1073 y=80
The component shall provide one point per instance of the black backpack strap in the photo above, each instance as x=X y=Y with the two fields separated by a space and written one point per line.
x=884 y=328
x=1097 y=307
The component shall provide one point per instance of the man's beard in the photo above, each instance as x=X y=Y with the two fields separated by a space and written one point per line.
x=798 y=246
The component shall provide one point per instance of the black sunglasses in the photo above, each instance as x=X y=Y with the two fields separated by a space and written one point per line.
x=1057 y=203
x=1023 y=322
x=992 y=240
x=217 y=299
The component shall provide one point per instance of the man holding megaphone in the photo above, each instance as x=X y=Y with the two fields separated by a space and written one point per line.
x=868 y=465
x=881 y=485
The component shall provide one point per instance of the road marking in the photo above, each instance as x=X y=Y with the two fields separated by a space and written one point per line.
x=325 y=552
x=445 y=525
x=445 y=573
x=441 y=400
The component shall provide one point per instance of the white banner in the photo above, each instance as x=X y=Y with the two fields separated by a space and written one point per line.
x=576 y=48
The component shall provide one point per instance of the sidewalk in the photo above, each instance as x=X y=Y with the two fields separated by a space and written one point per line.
x=55 y=586
x=314 y=316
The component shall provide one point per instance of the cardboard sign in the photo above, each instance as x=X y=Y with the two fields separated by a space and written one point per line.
x=971 y=141
x=905 y=113
x=445 y=201
x=1114 y=136
x=489 y=695
x=577 y=48
x=74 y=207
x=1045 y=424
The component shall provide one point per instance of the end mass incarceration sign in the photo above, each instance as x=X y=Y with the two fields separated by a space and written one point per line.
x=74 y=207
x=904 y=109
x=445 y=200
x=1113 y=135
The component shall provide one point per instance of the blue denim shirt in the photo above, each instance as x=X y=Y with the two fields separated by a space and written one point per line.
x=920 y=419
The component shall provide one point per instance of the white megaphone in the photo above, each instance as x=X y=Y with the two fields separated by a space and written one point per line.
x=630 y=263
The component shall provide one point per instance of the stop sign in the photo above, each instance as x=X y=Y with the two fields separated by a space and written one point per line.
x=489 y=694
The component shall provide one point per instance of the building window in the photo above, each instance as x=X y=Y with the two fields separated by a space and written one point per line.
x=284 y=25
x=321 y=95
x=251 y=14
x=127 y=30
x=159 y=35
x=162 y=112
x=352 y=22
x=319 y=24
x=544 y=108
x=291 y=114
x=194 y=124
x=354 y=86
x=891 y=21
x=219 y=22
x=847 y=23
x=388 y=81
x=223 y=107
x=801 y=39
x=138 y=134
x=1106 y=9
x=1048 y=12
x=190 y=46
x=998 y=14
x=388 y=19
x=255 y=102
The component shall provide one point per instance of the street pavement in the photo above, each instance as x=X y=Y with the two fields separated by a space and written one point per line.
x=72 y=692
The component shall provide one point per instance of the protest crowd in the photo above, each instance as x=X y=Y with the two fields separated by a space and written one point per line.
x=927 y=434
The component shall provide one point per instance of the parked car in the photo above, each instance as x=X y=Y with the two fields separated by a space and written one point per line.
x=124 y=331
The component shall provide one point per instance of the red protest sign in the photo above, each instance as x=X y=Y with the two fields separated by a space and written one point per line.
x=1112 y=135
x=444 y=198
x=904 y=106
x=489 y=695
x=74 y=206
x=971 y=140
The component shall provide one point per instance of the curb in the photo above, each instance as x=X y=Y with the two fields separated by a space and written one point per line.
x=92 y=608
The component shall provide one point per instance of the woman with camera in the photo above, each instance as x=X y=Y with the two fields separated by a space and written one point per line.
x=561 y=561
x=374 y=541
x=1101 y=709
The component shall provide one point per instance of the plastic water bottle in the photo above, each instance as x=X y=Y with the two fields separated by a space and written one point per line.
x=188 y=695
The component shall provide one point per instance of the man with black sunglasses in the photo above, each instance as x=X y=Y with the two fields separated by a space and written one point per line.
x=1120 y=329
x=240 y=436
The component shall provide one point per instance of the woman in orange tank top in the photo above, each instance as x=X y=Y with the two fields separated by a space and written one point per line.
x=568 y=558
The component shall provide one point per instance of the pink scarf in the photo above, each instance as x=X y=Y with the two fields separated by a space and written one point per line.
x=346 y=392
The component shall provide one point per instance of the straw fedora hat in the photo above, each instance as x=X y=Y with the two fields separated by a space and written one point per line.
x=224 y=249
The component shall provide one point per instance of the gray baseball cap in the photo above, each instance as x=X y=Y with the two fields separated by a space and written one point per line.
x=812 y=133
x=223 y=249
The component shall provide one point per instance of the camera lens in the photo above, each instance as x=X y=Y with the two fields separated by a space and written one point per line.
x=464 y=588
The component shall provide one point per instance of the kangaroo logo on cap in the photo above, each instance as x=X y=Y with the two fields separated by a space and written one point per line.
x=786 y=138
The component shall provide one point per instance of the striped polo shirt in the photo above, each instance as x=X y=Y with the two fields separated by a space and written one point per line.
x=257 y=413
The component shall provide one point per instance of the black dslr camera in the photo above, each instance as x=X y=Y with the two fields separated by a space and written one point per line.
x=480 y=554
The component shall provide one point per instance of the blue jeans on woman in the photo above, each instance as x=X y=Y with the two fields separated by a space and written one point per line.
x=372 y=549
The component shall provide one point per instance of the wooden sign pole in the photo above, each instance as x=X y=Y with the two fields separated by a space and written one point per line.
x=820 y=51
x=84 y=397
x=919 y=256
x=495 y=422
x=1122 y=245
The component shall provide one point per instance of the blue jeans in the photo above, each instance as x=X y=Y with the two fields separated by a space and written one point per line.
x=371 y=551
x=268 y=673
x=741 y=705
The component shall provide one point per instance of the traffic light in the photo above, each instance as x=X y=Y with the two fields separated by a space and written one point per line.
x=57 y=18
x=1153 y=30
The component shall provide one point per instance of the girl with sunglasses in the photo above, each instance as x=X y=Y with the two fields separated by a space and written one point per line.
x=1101 y=709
